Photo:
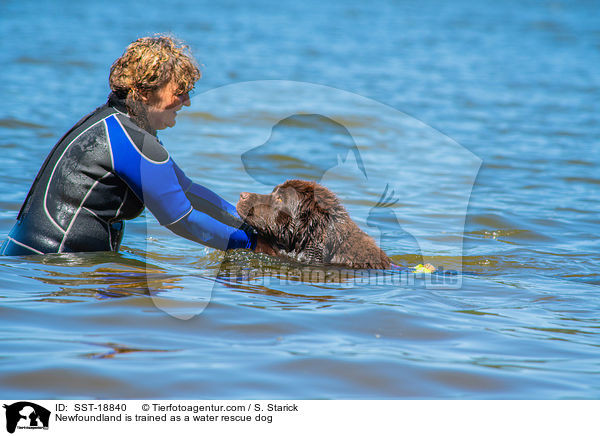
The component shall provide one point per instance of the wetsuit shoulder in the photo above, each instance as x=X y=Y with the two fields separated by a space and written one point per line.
x=148 y=145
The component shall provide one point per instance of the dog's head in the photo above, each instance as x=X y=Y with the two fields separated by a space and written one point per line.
x=298 y=217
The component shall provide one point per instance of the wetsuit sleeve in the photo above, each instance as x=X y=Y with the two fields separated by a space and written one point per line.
x=200 y=227
x=155 y=178
x=213 y=206
x=208 y=201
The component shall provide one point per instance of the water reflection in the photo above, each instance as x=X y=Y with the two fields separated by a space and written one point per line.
x=76 y=276
x=115 y=350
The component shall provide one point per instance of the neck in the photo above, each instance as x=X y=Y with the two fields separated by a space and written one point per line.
x=134 y=108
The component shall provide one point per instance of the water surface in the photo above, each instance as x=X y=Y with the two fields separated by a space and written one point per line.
x=513 y=84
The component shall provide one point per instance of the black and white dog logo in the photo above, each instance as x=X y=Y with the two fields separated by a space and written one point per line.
x=26 y=415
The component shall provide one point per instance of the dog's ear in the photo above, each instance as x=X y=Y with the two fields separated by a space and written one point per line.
x=312 y=217
x=326 y=201
x=320 y=215
x=317 y=211
x=285 y=227
x=312 y=221
x=335 y=225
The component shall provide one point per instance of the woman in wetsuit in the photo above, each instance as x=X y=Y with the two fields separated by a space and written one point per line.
x=111 y=165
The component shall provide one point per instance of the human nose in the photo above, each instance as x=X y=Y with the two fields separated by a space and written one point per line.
x=185 y=99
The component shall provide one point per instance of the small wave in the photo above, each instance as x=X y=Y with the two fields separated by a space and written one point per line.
x=28 y=60
x=580 y=162
x=510 y=235
x=589 y=180
x=12 y=123
x=207 y=116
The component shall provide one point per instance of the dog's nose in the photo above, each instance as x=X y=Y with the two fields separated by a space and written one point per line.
x=244 y=195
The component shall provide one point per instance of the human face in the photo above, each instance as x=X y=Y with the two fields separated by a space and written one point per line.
x=163 y=104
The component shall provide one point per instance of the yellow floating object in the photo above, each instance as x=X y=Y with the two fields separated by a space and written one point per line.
x=426 y=269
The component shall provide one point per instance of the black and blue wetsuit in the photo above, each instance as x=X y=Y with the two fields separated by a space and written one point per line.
x=105 y=170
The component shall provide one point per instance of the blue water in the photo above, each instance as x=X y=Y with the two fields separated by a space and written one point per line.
x=482 y=118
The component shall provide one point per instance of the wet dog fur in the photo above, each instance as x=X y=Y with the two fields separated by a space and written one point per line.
x=306 y=222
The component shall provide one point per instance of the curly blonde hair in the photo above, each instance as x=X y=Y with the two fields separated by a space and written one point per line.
x=150 y=63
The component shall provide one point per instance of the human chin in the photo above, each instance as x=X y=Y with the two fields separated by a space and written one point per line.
x=170 y=121
x=167 y=120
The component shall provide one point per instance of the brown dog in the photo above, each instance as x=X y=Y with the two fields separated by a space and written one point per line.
x=306 y=222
